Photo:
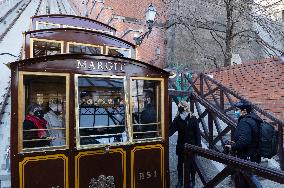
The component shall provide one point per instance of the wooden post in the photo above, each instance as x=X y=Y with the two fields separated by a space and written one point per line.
x=237 y=178
x=222 y=104
x=192 y=105
x=280 y=146
x=201 y=85
x=210 y=127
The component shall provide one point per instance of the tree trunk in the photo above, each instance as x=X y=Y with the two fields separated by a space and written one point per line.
x=229 y=33
x=228 y=52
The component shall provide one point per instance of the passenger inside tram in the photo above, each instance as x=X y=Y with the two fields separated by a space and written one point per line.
x=55 y=125
x=149 y=115
x=44 y=125
x=146 y=120
x=101 y=110
x=34 y=128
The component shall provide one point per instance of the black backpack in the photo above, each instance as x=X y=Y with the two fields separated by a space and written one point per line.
x=268 y=140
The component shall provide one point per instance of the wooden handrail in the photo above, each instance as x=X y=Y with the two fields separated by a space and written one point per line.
x=236 y=163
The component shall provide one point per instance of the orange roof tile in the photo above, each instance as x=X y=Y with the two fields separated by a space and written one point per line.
x=261 y=82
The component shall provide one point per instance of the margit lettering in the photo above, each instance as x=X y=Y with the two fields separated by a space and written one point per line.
x=100 y=65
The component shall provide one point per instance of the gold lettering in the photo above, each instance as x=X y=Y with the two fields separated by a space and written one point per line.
x=155 y=173
x=92 y=66
x=141 y=176
x=79 y=64
x=109 y=67
x=115 y=66
x=122 y=67
x=100 y=65
x=148 y=175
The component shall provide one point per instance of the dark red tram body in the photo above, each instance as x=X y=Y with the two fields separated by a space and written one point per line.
x=107 y=117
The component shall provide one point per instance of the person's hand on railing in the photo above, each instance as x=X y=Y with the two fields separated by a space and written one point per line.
x=228 y=147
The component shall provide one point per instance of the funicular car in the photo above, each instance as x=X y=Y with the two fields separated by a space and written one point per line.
x=106 y=113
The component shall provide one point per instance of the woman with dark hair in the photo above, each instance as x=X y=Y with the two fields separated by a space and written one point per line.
x=34 y=126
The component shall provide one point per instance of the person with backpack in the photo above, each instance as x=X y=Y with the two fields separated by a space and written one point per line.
x=188 y=132
x=245 y=143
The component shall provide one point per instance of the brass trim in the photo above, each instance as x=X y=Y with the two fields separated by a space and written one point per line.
x=46 y=23
x=21 y=109
x=41 y=158
x=162 y=101
x=113 y=47
x=44 y=40
x=77 y=118
x=99 y=152
x=138 y=148
x=83 y=44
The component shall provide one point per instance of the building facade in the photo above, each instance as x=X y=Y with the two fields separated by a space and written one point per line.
x=128 y=18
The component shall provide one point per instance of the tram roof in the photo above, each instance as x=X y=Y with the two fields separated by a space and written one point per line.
x=73 y=57
x=73 y=20
x=43 y=32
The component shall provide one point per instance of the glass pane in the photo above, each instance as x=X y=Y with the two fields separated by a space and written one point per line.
x=101 y=110
x=119 y=52
x=81 y=49
x=45 y=111
x=43 y=48
x=146 y=109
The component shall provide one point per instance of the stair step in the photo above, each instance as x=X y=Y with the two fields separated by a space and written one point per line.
x=5 y=177
x=5 y=184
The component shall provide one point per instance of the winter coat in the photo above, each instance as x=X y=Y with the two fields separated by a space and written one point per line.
x=148 y=115
x=188 y=132
x=53 y=122
x=30 y=135
x=246 y=137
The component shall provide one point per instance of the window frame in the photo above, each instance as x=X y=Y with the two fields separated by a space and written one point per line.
x=77 y=118
x=44 y=40
x=113 y=47
x=162 y=97
x=21 y=111
x=84 y=44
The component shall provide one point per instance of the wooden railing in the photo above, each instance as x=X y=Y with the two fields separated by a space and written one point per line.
x=238 y=168
x=214 y=105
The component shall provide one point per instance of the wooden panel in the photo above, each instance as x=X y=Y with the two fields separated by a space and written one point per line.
x=44 y=171
x=87 y=64
x=92 y=167
x=147 y=166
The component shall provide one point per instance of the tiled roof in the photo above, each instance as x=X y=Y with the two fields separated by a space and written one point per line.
x=261 y=82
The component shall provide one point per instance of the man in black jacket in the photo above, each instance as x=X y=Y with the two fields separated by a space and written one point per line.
x=246 y=137
x=188 y=132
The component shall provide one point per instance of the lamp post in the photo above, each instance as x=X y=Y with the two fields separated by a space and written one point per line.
x=150 y=15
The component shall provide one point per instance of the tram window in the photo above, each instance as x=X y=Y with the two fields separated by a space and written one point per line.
x=101 y=110
x=119 y=52
x=44 y=124
x=43 y=48
x=84 y=49
x=146 y=109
